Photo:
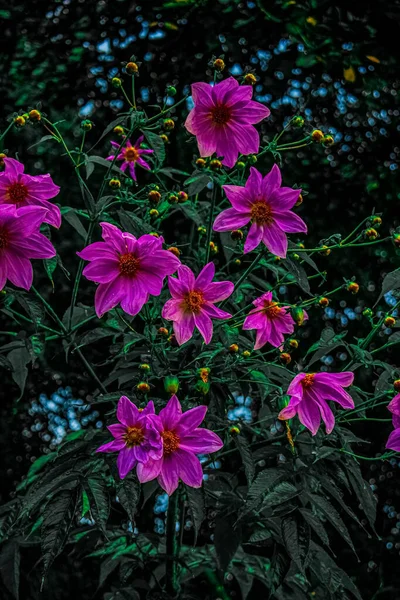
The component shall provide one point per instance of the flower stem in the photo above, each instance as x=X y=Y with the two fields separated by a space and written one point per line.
x=247 y=272
x=210 y=222
x=171 y=585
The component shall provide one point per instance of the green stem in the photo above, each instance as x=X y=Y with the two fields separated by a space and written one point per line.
x=247 y=272
x=133 y=93
x=210 y=222
x=171 y=584
x=385 y=456
x=3 y=135
x=127 y=97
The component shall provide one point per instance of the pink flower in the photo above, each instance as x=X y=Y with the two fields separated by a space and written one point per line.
x=182 y=440
x=309 y=393
x=23 y=190
x=270 y=320
x=393 y=442
x=265 y=204
x=137 y=436
x=223 y=118
x=127 y=269
x=20 y=241
x=192 y=302
x=132 y=155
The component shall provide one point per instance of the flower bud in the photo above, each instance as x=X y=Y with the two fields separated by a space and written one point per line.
x=371 y=233
x=252 y=159
x=293 y=343
x=376 y=221
x=390 y=322
x=173 y=199
x=300 y=200
x=169 y=124
x=219 y=64
x=143 y=387
x=154 y=213
x=171 y=90
x=202 y=230
x=201 y=163
x=233 y=348
x=2 y=157
x=35 y=115
x=174 y=250
x=396 y=239
x=172 y=340
x=116 y=82
x=182 y=197
x=19 y=121
x=163 y=331
x=154 y=234
x=144 y=367
x=115 y=184
x=131 y=68
x=396 y=385
x=317 y=135
x=234 y=430
x=298 y=121
x=203 y=387
x=325 y=251
x=154 y=196
x=238 y=262
x=296 y=256
x=164 y=138
x=246 y=353
x=285 y=358
x=86 y=125
x=250 y=79
x=240 y=165
x=171 y=384
x=328 y=140
x=353 y=287
x=215 y=165
x=298 y=315
x=323 y=301
x=204 y=373
x=119 y=130
x=367 y=312
x=213 y=248
x=311 y=21
x=237 y=234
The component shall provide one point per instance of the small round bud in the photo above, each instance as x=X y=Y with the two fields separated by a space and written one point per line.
x=323 y=301
x=169 y=124
x=154 y=213
x=233 y=348
x=371 y=233
x=219 y=64
x=154 y=234
x=325 y=251
x=19 y=121
x=311 y=21
x=131 y=68
x=202 y=230
x=296 y=256
x=252 y=159
x=2 y=157
x=237 y=234
x=367 y=312
x=154 y=196
x=285 y=358
x=171 y=384
x=174 y=250
x=250 y=79
x=164 y=138
x=182 y=197
x=300 y=200
x=298 y=121
x=390 y=321
x=240 y=165
x=353 y=287
x=204 y=373
x=203 y=387
x=163 y=331
x=376 y=221
x=234 y=430
x=173 y=199
x=396 y=240
x=238 y=262
x=317 y=135
x=115 y=184
x=299 y=315
x=171 y=90
x=293 y=343
x=328 y=140
x=215 y=164
x=86 y=125
x=143 y=387
x=246 y=353
x=35 y=115
x=396 y=385
x=119 y=130
x=200 y=163
x=300 y=245
x=213 y=248
x=116 y=82
x=144 y=367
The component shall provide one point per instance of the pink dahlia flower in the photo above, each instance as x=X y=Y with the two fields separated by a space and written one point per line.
x=222 y=119
x=20 y=241
x=264 y=203
x=393 y=442
x=192 y=302
x=127 y=269
x=309 y=393
x=23 y=190
x=132 y=156
x=270 y=320
x=182 y=440
x=137 y=436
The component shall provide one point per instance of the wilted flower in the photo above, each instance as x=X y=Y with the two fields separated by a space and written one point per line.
x=182 y=440
x=132 y=156
x=192 y=302
x=309 y=392
x=23 y=190
x=222 y=119
x=127 y=269
x=137 y=436
x=264 y=203
x=20 y=241
x=270 y=320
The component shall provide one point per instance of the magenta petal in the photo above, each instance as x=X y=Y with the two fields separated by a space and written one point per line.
x=188 y=467
x=29 y=220
x=256 y=319
x=254 y=183
x=149 y=470
x=254 y=237
x=107 y=296
x=114 y=446
x=225 y=148
x=98 y=250
x=218 y=291
x=276 y=338
x=151 y=282
x=134 y=296
x=19 y=270
x=204 y=325
x=283 y=198
x=272 y=181
x=393 y=442
x=201 y=93
x=394 y=405
x=223 y=89
x=205 y=276
x=230 y=219
x=172 y=310
x=254 y=112
x=275 y=240
x=295 y=388
x=171 y=413
x=35 y=246
x=13 y=168
x=177 y=288
x=113 y=236
x=240 y=197
x=290 y=222
x=214 y=312
x=126 y=461
x=116 y=429
x=207 y=143
x=263 y=336
x=201 y=441
x=186 y=277
x=327 y=415
x=333 y=392
x=183 y=328
x=246 y=138
x=344 y=379
x=309 y=414
x=102 y=271
x=191 y=419
x=169 y=475
x=127 y=412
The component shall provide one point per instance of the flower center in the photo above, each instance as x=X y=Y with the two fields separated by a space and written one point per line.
x=134 y=436
x=4 y=239
x=171 y=442
x=220 y=114
x=308 y=381
x=272 y=310
x=131 y=154
x=193 y=302
x=261 y=213
x=17 y=192
x=128 y=265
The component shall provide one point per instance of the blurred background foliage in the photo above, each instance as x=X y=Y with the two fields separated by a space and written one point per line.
x=333 y=62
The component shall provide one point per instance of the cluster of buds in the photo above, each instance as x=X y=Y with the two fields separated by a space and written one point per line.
x=177 y=197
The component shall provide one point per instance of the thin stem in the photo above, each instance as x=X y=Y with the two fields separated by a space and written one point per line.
x=126 y=96
x=3 y=135
x=247 y=272
x=133 y=93
x=171 y=584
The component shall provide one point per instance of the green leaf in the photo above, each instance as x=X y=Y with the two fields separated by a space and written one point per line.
x=332 y=577
x=197 y=508
x=94 y=335
x=332 y=516
x=97 y=491
x=57 y=521
x=298 y=273
x=315 y=524
x=133 y=224
x=296 y=537
x=390 y=282
x=246 y=456
x=191 y=213
x=50 y=265
x=10 y=560
x=363 y=492
x=128 y=492
x=263 y=482
x=43 y=139
x=197 y=183
x=283 y=492
x=226 y=540
x=157 y=144
x=19 y=360
x=72 y=218
x=169 y=172
x=32 y=306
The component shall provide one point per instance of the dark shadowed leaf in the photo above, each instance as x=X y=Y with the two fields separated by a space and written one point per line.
x=99 y=500
x=157 y=144
x=197 y=508
x=10 y=560
x=19 y=360
x=227 y=540
x=315 y=524
x=128 y=492
x=246 y=456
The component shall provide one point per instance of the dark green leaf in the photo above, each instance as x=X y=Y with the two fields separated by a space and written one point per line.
x=197 y=183
x=19 y=360
x=97 y=492
x=128 y=492
x=246 y=456
x=332 y=516
x=316 y=525
x=57 y=521
x=227 y=540
x=390 y=282
x=363 y=492
x=72 y=218
x=157 y=144
x=298 y=273
x=10 y=560
x=196 y=504
x=296 y=537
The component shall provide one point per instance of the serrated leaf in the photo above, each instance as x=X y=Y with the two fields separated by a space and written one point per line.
x=94 y=335
x=296 y=537
x=19 y=360
x=157 y=144
x=128 y=492
x=44 y=139
x=363 y=492
x=332 y=577
x=315 y=524
x=97 y=491
x=133 y=224
x=197 y=507
x=10 y=560
x=197 y=183
x=332 y=516
x=389 y=283
x=263 y=482
x=246 y=456
x=57 y=521
x=281 y=493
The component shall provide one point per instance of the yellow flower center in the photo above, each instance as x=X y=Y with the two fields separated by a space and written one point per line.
x=272 y=310
x=261 y=213
x=128 y=265
x=308 y=381
x=171 y=442
x=134 y=436
x=17 y=192
x=220 y=114
x=131 y=154
x=193 y=302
